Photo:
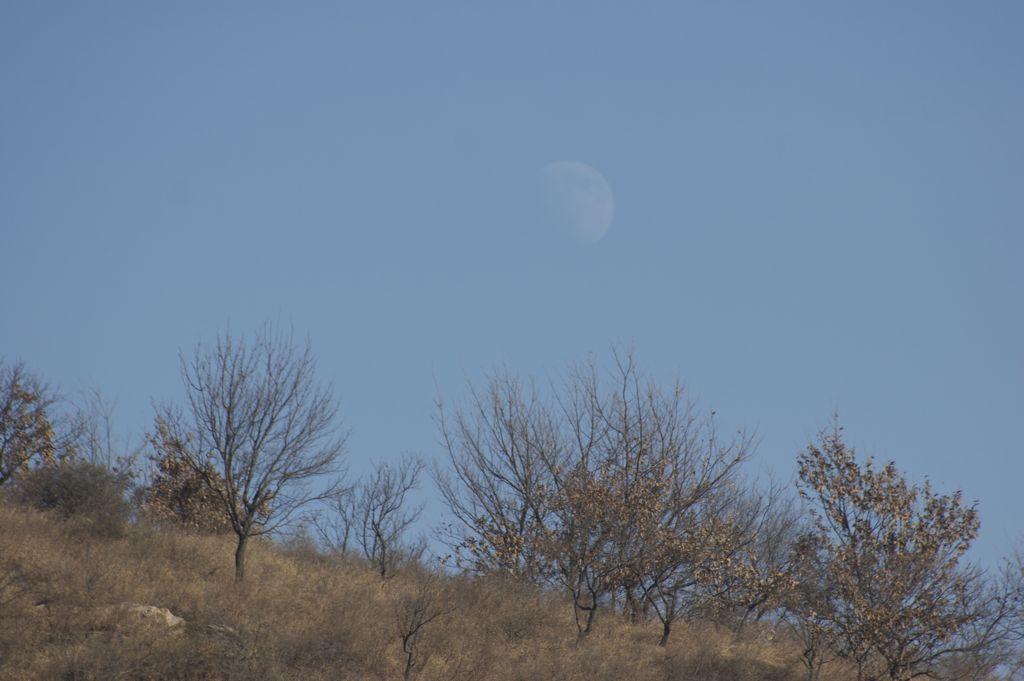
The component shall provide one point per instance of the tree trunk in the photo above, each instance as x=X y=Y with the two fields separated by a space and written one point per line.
x=809 y=659
x=580 y=635
x=408 y=666
x=632 y=606
x=240 y=558
x=666 y=622
x=584 y=631
x=666 y=629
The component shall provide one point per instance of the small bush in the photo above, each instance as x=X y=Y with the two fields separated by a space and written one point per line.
x=80 y=490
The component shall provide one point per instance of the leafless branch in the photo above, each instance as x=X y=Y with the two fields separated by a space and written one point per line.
x=256 y=415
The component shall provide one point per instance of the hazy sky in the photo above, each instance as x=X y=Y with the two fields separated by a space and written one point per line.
x=816 y=206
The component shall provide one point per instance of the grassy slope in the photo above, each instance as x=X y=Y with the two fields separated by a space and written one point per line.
x=299 y=616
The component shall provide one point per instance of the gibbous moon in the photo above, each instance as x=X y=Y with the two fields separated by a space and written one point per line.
x=577 y=199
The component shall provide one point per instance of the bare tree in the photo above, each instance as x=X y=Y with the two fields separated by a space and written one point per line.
x=92 y=437
x=256 y=416
x=698 y=558
x=612 y=489
x=990 y=644
x=334 y=528
x=375 y=515
x=26 y=429
x=498 y=445
x=414 y=610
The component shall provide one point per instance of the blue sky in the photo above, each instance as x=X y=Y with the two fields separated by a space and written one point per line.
x=818 y=206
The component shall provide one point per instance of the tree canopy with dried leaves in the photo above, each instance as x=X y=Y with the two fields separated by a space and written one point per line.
x=900 y=596
x=180 y=494
x=26 y=429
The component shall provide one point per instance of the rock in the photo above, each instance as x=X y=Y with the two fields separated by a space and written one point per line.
x=132 y=614
x=152 y=614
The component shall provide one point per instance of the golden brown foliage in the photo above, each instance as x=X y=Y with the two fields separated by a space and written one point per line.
x=897 y=595
x=178 y=493
x=26 y=429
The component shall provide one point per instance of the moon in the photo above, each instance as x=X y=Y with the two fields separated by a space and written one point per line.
x=577 y=199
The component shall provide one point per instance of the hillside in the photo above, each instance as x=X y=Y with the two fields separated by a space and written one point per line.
x=67 y=597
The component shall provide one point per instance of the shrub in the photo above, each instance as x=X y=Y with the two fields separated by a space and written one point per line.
x=80 y=489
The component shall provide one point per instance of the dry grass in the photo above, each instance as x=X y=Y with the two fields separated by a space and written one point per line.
x=301 y=616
